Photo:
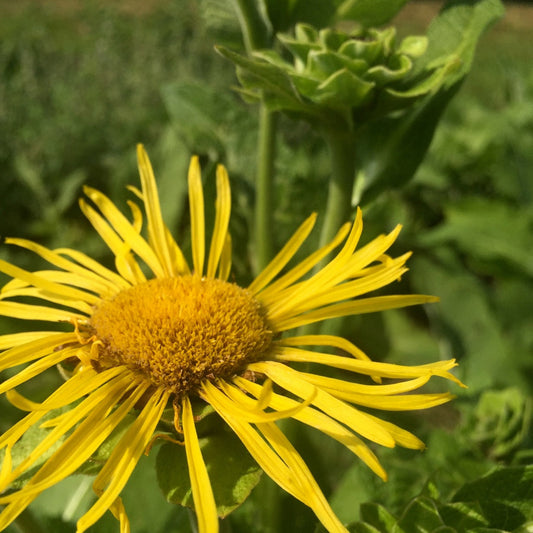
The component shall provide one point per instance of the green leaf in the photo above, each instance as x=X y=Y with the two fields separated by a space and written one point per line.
x=377 y=516
x=257 y=76
x=466 y=321
x=360 y=527
x=504 y=496
x=501 y=421
x=420 y=516
x=369 y=12
x=392 y=148
x=342 y=89
x=463 y=516
x=455 y=33
x=195 y=116
x=232 y=471
x=490 y=230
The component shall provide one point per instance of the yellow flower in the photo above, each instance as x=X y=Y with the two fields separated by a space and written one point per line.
x=159 y=332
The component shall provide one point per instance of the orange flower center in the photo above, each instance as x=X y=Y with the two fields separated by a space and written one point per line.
x=181 y=331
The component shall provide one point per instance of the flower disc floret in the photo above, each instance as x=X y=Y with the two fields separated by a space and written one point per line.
x=180 y=331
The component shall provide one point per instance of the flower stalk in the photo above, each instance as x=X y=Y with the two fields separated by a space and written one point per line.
x=341 y=145
x=256 y=36
x=264 y=246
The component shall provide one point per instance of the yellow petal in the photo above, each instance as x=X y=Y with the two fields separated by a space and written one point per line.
x=223 y=209
x=401 y=436
x=16 y=339
x=196 y=206
x=83 y=441
x=63 y=278
x=343 y=386
x=35 y=349
x=357 y=307
x=409 y=402
x=283 y=256
x=99 y=401
x=93 y=269
x=263 y=454
x=32 y=292
x=315 y=498
x=290 y=380
x=118 y=468
x=124 y=261
x=179 y=263
x=156 y=226
x=44 y=363
x=21 y=402
x=369 y=253
x=38 y=312
x=320 y=279
x=385 y=370
x=62 y=291
x=271 y=294
x=126 y=231
x=204 y=501
x=233 y=402
x=348 y=290
x=322 y=423
x=12 y=511
x=224 y=268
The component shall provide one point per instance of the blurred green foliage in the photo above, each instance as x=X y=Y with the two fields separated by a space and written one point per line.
x=81 y=86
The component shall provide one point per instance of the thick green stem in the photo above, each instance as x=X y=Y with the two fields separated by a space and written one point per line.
x=341 y=147
x=263 y=204
x=339 y=204
x=257 y=34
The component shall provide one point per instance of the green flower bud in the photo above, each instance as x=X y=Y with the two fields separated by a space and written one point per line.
x=353 y=76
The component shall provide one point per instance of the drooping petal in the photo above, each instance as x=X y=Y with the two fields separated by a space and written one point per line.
x=202 y=493
x=290 y=380
x=385 y=370
x=58 y=290
x=44 y=363
x=232 y=401
x=323 y=423
x=72 y=390
x=110 y=389
x=315 y=498
x=94 y=270
x=75 y=451
x=118 y=468
x=263 y=454
x=35 y=349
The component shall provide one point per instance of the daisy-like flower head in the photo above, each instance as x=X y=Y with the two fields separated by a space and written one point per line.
x=170 y=332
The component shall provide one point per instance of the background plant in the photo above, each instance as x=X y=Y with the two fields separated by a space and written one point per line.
x=81 y=86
